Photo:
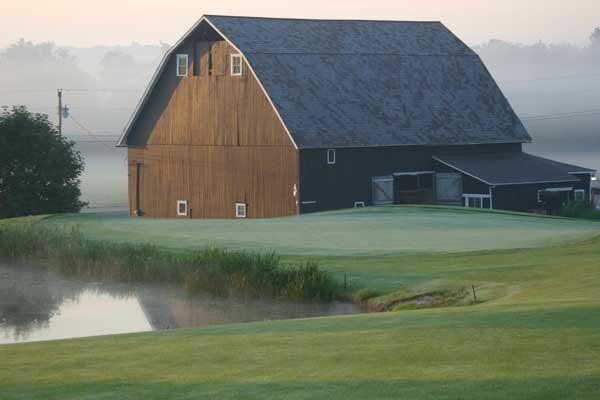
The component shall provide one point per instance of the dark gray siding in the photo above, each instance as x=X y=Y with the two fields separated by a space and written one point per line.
x=525 y=197
x=349 y=179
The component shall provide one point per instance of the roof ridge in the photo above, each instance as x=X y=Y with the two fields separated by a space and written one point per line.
x=326 y=19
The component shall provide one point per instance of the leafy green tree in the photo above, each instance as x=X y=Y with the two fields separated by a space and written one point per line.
x=39 y=170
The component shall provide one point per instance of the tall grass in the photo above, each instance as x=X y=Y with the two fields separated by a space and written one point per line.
x=213 y=270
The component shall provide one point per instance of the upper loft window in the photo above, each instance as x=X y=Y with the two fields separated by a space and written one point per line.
x=182 y=64
x=330 y=156
x=236 y=65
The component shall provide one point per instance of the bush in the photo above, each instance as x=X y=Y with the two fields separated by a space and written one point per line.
x=583 y=211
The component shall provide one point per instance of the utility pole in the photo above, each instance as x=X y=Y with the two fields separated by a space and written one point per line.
x=60 y=111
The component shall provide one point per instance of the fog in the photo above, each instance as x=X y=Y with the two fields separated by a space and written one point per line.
x=555 y=89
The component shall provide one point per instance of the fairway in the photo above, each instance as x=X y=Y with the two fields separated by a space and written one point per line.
x=534 y=332
x=358 y=232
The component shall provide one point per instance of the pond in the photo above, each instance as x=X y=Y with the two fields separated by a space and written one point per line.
x=37 y=303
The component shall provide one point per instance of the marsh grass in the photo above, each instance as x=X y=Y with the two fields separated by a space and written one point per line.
x=213 y=270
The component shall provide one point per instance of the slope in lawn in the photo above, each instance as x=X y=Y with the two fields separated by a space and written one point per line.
x=369 y=231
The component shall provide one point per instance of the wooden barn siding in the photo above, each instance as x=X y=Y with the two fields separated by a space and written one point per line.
x=217 y=142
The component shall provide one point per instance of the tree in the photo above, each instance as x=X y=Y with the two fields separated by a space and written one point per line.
x=39 y=170
x=595 y=38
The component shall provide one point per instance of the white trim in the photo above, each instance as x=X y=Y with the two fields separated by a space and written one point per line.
x=329 y=161
x=414 y=173
x=232 y=57
x=359 y=204
x=238 y=208
x=559 y=189
x=575 y=195
x=583 y=173
x=481 y=197
x=162 y=66
x=185 y=203
x=308 y=202
x=178 y=57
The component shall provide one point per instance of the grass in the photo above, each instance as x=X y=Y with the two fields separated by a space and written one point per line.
x=213 y=270
x=372 y=231
x=535 y=334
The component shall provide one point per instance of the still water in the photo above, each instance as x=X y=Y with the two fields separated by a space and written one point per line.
x=37 y=303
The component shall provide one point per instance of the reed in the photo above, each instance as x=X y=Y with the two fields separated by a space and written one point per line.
x=213 y=270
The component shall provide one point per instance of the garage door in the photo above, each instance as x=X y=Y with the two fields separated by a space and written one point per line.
x=383 y=190
x=448 y=188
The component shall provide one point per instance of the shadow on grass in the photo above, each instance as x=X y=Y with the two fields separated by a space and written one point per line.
x=531 y=389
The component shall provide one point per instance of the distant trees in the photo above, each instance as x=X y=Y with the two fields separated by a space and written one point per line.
x=595 y=38
x=39 y=170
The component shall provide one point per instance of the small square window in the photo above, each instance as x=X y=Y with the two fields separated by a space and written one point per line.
x=359 y=204
x=240 y=210
x=236 y=64
x=182 y=64
x=182 y=208
x=579 y=196
x=331 y=156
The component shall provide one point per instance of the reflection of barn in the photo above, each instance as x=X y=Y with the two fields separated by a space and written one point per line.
x=263 y=117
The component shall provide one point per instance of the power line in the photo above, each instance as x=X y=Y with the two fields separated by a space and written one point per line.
x=551 y=78
x=87 y=131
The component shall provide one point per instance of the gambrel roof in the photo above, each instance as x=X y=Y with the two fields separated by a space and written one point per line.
x=351 y=83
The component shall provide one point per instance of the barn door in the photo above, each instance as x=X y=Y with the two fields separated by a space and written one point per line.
x=383 y=190
x=449 y=188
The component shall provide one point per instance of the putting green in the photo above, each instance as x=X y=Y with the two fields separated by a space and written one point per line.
x=359 y=232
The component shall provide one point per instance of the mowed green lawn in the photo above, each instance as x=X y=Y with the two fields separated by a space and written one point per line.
x=536 y=335
x=356 y=232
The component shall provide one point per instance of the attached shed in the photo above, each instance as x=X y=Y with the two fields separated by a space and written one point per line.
x=266 y=117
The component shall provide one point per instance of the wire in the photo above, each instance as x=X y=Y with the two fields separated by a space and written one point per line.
x=551 y=78
x=86 y=130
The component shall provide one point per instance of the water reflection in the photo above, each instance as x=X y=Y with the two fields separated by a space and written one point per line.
x=37 y=303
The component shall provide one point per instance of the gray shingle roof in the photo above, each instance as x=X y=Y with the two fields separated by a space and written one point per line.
x=341 y=83
x=513 y=168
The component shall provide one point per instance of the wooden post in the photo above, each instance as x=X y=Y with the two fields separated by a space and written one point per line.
x=345 y=280
x=60 y=111
x=474 y=295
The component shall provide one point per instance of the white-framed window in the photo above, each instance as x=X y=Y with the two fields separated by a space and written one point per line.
x=182 y=64
x=330 y=156
x=579 y=195
x=477 y=200
x=240 y=210
x=359 y=204
x=236 y=64
x=182 y=208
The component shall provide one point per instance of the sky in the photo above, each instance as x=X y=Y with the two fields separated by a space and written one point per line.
x=111 y=22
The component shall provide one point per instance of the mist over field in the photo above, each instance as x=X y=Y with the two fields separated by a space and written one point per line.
x=555 y=89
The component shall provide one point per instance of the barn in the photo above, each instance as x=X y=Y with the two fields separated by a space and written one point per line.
x=266 y=117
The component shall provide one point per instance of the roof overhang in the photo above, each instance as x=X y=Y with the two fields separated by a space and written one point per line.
x=508 y=169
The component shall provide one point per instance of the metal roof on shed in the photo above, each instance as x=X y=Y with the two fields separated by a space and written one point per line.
x=514 y=168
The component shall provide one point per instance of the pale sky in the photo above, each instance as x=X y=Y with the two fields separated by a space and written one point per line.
x=85 y=22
